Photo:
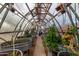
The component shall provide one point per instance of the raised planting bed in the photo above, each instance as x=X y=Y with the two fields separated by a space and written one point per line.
x=22 y=43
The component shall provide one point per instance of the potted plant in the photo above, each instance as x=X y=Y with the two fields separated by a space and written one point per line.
x=52 y=40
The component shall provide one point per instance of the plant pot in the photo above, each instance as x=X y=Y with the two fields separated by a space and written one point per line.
x=54 y=53
x=63 y=54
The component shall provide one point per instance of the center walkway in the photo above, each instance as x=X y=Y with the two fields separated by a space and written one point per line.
x=39 y=48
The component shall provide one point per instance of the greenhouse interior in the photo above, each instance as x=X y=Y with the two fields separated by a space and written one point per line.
x=39 y=29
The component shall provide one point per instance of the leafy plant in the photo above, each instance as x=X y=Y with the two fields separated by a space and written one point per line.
x=65 y=42
x=72 y=31
x=51 y=39
x=27 y=34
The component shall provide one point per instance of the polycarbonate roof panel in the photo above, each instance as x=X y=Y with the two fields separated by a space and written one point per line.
x=12 y=19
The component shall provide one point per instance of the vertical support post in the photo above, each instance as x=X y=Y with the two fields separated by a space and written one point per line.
x=2 y=8
x=3 y=19
x=74 y=12
x=70 y=17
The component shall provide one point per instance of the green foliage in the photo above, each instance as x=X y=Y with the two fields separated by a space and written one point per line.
x=51 y=39
x=72 y=30
x=27 y=34
x=65 y=42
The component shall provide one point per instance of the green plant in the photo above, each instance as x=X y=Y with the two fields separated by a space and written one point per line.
x=65 y=42
x=27 y=34
x=51 y=39
x=72 y=31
